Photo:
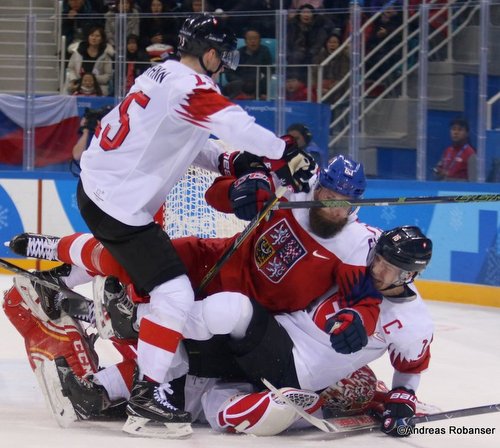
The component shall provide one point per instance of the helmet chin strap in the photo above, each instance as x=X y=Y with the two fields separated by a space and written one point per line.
x=204 y=67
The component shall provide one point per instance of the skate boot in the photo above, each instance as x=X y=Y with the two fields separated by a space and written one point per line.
x=152 y=414
x=50 y=298
x=89 y=399
x=35 y=245
x=115 y=312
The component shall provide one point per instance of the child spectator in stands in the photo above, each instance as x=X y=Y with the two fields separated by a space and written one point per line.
x=459 y=160
x=123 y=6
x=335 y=70
x=157 y=28
x=296 y=90
x=137 y=61
x=306 y=34
x=252 y=53
x=93 y=55
x=88 y=86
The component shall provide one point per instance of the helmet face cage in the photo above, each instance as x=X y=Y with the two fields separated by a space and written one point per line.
x=202 y=32
x=406 y=248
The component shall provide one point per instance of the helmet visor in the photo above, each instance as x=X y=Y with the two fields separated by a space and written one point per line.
x=230 y=59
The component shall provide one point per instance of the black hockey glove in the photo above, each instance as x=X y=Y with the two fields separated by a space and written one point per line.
x=399 y=405
x=238 y=164
x=249 y=193
x=295 y=168
x=347 y=332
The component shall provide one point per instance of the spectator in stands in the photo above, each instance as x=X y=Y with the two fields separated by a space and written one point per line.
x=304 y=138
x=93 y=55
x=295 y=5
x=157 y=28
x=137 y=61
x=296 y=89
x=252 y=53
x=77 y=19
x=196 y=6
x=123 y=6
x=335 y=70
x=305 y=36
x=459 y=161
x=87 y=85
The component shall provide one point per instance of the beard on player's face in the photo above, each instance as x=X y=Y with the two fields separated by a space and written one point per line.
x=323 y=226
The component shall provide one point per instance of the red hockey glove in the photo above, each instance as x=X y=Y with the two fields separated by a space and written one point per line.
x=238 y=164
x=347 y=332
x=400 y=405
x=249 y=193
x=296 y=166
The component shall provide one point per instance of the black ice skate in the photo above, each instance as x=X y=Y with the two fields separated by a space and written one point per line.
x=120 y=309
x=151 y=413
x=35 y=245
x=50 y=298
x=88 y=398
x=114 y=311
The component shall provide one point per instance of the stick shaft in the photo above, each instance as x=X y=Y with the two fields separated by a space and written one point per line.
x=418 y=200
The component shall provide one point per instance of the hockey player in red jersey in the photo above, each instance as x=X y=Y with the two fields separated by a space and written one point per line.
x=276 y=263
x=140 y=150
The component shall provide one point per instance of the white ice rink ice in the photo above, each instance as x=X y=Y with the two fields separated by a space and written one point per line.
x=464 y=372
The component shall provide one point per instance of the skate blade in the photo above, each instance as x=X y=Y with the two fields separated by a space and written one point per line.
x=144 y=427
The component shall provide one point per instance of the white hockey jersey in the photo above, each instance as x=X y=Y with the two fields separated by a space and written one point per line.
x=405 y=330
x=146 y=143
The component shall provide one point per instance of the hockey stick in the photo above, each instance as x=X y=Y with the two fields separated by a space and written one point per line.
x=242 y=237
x=73 y=303
x=356 y=423
x=460 y=199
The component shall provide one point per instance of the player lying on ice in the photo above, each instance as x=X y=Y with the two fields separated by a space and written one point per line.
x=302 y=349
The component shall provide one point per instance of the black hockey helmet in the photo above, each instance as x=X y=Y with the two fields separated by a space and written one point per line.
x=201 y=32
x=405 y=247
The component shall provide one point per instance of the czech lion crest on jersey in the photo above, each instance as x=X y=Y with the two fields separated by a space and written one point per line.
x=277 y=250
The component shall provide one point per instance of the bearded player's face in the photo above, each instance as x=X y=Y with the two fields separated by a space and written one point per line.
x=326 y=222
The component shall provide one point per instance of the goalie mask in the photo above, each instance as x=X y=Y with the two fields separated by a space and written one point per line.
x=201 y=32
x=404 y=251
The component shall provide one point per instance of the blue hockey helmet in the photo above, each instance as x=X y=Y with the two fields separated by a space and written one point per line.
x=345 y=176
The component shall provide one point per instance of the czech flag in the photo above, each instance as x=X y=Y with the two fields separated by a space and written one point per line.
x=56 y=124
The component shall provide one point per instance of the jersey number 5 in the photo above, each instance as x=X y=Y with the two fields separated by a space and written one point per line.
x=108 y=144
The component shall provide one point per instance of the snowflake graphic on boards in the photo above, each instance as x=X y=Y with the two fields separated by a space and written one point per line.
x=456 y=218
x=4 y=217
x=388 y=214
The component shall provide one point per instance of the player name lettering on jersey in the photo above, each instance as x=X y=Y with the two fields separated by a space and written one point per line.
x=157 y=73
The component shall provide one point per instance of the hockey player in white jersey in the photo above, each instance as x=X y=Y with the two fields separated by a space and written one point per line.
x=141 y=149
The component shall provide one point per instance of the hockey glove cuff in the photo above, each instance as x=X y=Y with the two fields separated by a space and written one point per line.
x=347 y=332
x=238 y=164
x=249 y=193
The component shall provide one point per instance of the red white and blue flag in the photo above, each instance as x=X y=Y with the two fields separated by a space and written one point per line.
x=56 y=123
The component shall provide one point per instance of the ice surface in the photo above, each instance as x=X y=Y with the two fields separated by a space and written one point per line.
x=464 y=372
